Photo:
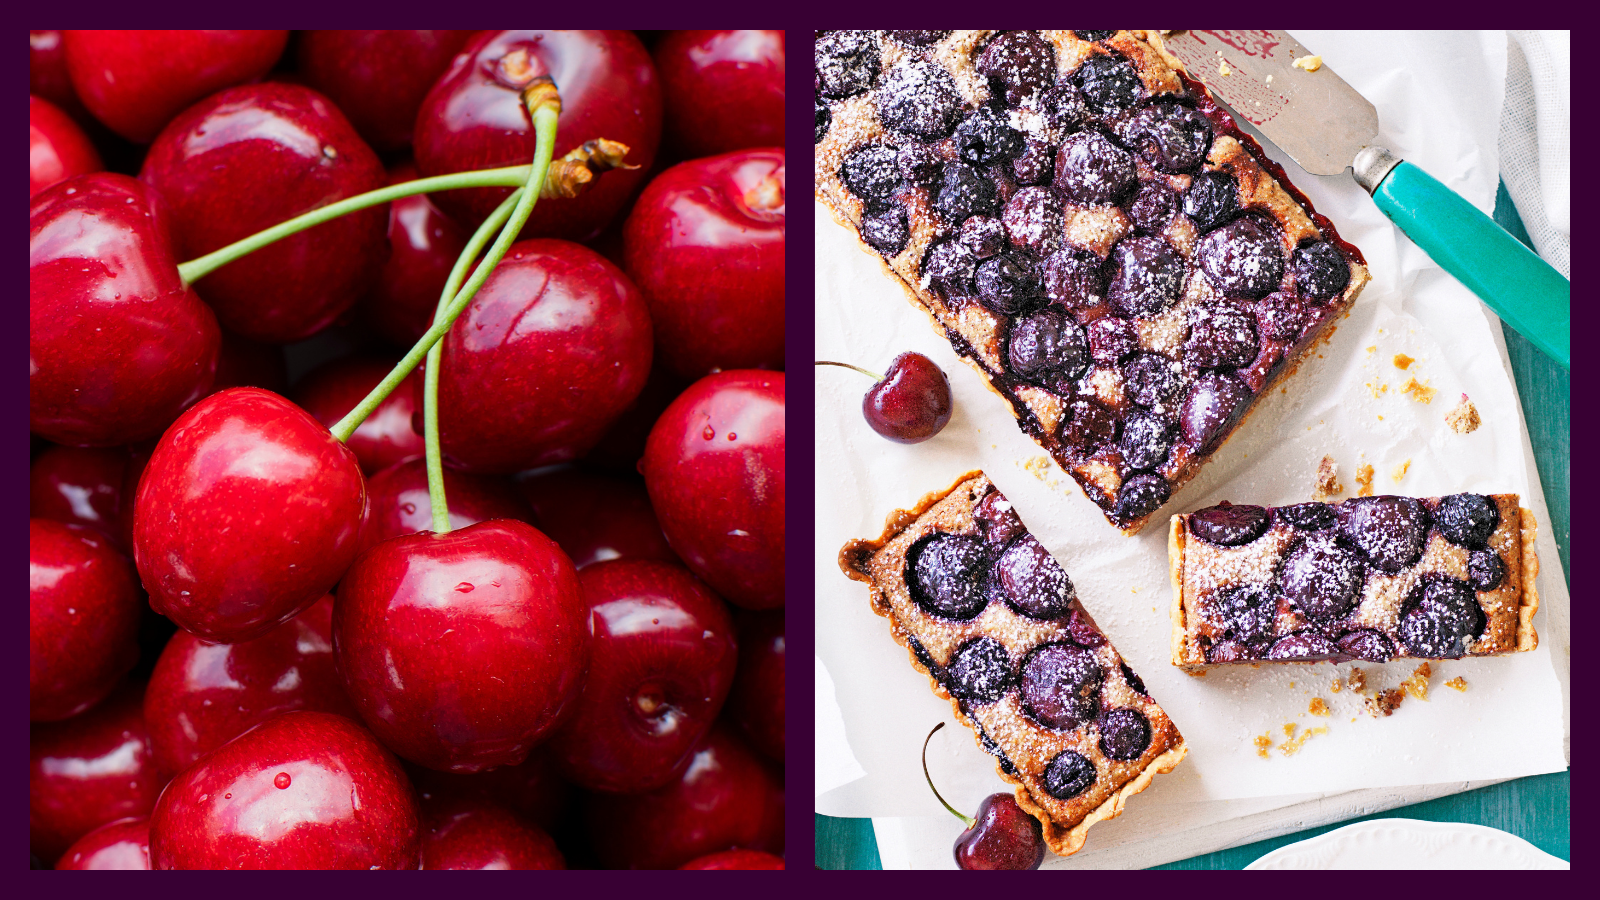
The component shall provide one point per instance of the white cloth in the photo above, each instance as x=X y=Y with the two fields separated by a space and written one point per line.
x=1535 y=140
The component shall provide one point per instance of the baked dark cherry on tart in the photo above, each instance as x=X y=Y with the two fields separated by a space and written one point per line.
x=1369 y=578
x=994 y=622
x=1089 y=230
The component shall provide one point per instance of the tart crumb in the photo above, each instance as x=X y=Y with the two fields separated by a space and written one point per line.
x=1458 y=683
x=1400 y=472
x=1263 y=744
x=1269 y=79
x=1292 y=746
x=1402 y=361
x=1372 y=349
x=1327 y=484
x=1336 y=687
x=1464 y=418
x=1385 y=703
x=1417 y=684
x=1377 y=390
x=1364 y=480
x=1319 y=707
x=1418 y=390
x=1222 y=68
x=1288 y=729
x=1309 y=63
x=1357 y=680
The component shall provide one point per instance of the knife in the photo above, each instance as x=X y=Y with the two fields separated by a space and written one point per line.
x=1267 y=78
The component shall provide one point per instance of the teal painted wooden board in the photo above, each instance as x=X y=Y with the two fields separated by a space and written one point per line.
x=1536 y=809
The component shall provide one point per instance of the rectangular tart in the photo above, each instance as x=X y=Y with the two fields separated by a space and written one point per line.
x=1089 y=230
x=994 y=622
x=1372 y=578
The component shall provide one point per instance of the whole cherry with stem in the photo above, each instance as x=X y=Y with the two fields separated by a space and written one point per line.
x=1001 y=836
x=908 y=404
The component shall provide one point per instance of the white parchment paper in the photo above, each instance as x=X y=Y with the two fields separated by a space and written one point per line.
x=1438 y=97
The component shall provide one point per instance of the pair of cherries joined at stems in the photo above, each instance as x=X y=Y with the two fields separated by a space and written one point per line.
x=249 y=510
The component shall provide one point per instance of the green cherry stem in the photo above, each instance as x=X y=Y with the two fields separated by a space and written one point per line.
x=873 y=376
x=966 y=819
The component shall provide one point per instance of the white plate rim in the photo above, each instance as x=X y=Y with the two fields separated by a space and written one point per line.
x=1318 y=852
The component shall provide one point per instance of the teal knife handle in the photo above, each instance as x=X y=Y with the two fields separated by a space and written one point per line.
x=1522 y=289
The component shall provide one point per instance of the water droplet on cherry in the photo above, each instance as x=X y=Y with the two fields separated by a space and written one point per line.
x=281 y=781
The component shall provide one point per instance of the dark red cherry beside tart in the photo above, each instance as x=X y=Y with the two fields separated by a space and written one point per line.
x=714 y=467
x=378 y=78
x=735 y=859
x=247 y=513
x=911 y=402
x=423 y=246
x=248 y=158
x=1001 y=836
x=117 y=345
x=662 y=658
x=756 y=701
x=398 y=501
x=83 y=618
x=474 y=119
x=723 y=89
x=136 y=81
x=203 y=695
x=386 y=437
x=462 y=651
x=120 y=845
x=596 y=517
x=551 y=350
x=306 y=790
x=57 y=148
x=705 y=244
x=477 y=835
x=89 y=770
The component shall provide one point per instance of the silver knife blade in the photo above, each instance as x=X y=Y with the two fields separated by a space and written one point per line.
x=1314 y=116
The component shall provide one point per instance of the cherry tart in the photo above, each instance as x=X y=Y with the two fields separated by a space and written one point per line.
x=995 y=623
x=1089 y=229
x=1372 y=578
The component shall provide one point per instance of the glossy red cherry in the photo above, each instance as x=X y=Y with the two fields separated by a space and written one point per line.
x=89 y=770
x=331 y=390
x=423 y=246
x=723 y=89
x=463 y=650
x=705 y=244
x=398 y=502
x=474 y=119
x=47 y=74
x=248 y=512
x=246 y=363
x=736 y=859
x=123 y=844
x=661 y=659
x=117 y=345
x=596 y=517
x=530 y=788
x=476 y=835
x=306 y=790
x=378 y=78
x=714 y=469
x=1003 y=837
x=756 y=701
x=57 y=148
x=202 y=695
x=137 y=81
x=82 y=486
x=551 y=350
x=912 y=402
x=248 y=158
x=83 y=618
x=724 y=799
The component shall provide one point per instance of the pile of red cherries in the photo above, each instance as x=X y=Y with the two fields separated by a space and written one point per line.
x=252 y=644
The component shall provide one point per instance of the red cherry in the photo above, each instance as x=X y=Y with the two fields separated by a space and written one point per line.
x=474 y=118
x=596 y=517
x=398 y=501
x=423 y=246
x=89 y=770
x=462 y=650
x=756 y=701
x=912 y=403
x=531 y=788
x=736 y=859
x=306 y=790
x=247 y=513
x=378 y=77
x=705 y=244
x=117 y=345
x=1003 y=837
x=249 y=158
x=57 y=148
x=47 y=74
x=331 y=390
x=551 y=350
x=661 y=659
x=83 y=618
x=724 y=798
x=123 y=844
x=82 y=486
x=475 y=835
x=714 y=469
x=245 y=363
x=136 y=81
x=723 y=89
x=202 y=695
